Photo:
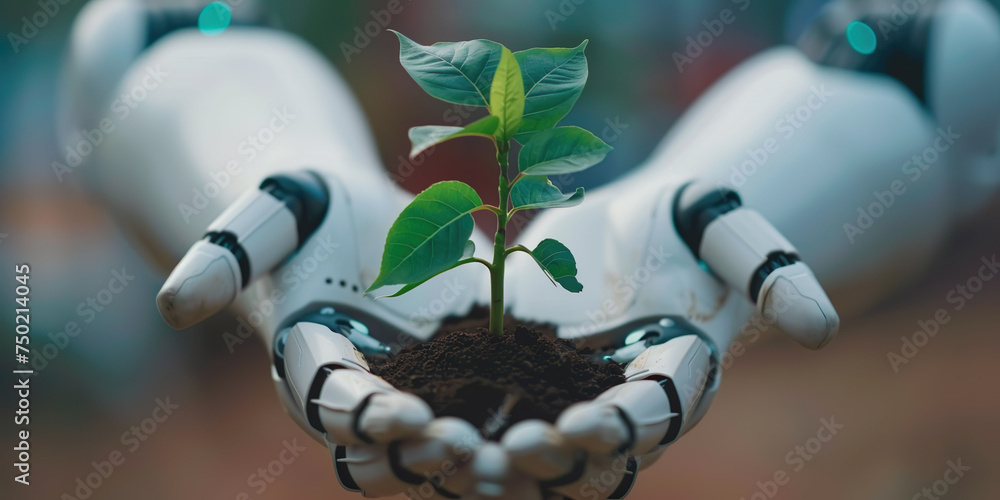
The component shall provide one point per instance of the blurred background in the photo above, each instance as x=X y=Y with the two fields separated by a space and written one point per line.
x=901 y=431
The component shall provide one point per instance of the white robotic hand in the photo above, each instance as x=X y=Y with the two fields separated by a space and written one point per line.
x=681 y=250
x=382 y=440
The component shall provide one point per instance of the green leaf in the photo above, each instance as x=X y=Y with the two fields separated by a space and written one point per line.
x=411 y=286
x=561 y=150
x=426 y=136
x=456 y=72
x=558 y=264
x=537 y=191
x=467 y=253
x=429 y=236
x=553 y=80
x=507 y=96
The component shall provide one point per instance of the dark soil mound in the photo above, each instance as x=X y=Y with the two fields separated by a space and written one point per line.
x=495 y=382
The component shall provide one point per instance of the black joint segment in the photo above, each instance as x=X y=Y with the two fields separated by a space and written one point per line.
x=631 y=474
x=305 y=195
x=278 y=352
x=231 y=242
x=356 y=420
x=579 y=468
x=312 y=409
x=674 y=431
x=402 y=473
x=775 y=260
x=695 y=207
x=343 y=471
x=630 y=442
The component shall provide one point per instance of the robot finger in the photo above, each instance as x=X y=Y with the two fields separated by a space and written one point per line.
x=537 y=449
x=288 y=403
x=259 y=231
x=661 y=400
x=436 y=463
x=331 y=385
x=748 y=253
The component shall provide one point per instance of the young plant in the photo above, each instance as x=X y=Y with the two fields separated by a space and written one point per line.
x=526 y=93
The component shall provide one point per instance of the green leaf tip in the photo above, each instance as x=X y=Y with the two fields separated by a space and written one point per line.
x=424 y=137
x=553 y=80
x=558 y=264
x=537 y=191
x=561 y=150
x=507 y=96
x=455 y=72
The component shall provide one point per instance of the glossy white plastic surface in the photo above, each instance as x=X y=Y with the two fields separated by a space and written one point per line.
x=204 y=282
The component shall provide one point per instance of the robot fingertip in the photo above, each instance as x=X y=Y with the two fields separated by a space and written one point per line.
x=801 y=307
x=204 y=282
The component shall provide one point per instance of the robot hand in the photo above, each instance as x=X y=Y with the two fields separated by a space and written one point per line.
x=694 y=264
x=383 y=441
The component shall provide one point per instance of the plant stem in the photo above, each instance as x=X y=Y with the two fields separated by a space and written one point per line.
x=499 y=248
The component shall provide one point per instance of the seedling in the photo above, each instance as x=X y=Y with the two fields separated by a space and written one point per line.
x=526 y=93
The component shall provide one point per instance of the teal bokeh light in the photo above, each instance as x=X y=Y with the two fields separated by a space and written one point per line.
x=214 y=18
x=861 y=37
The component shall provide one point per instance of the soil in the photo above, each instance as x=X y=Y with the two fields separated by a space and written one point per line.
x=494 y=382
